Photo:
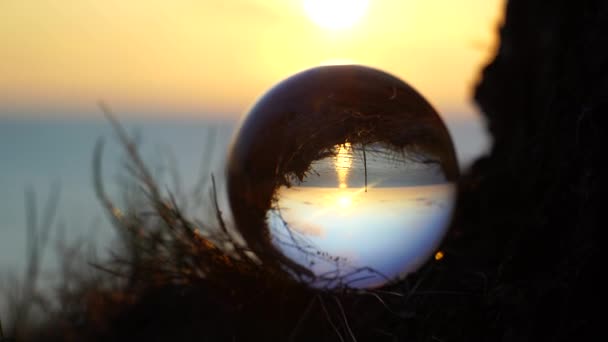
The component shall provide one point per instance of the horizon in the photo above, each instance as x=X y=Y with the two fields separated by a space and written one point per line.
x=154 y=59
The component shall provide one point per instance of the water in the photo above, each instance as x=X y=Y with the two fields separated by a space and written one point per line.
x=391 y=231
x=38 y=154
x=363 y=226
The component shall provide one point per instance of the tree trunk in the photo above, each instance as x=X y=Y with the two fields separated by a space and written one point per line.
x=530 y=212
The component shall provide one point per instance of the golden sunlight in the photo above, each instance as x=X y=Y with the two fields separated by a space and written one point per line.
x=343 y=162
x=335 y=14
x=215 y=58
x=345 y=201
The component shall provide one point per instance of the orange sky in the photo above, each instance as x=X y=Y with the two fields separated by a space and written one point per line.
x=213 y=58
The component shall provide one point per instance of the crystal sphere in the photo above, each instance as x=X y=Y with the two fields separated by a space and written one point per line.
x=343 y=176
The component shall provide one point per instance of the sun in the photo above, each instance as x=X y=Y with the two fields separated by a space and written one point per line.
x=345 y=201
x=335 y=14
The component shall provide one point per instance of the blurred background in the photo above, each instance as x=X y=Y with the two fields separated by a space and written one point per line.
x=179 y=74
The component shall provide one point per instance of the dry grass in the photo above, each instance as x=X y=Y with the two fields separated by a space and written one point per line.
x=168 y=266
x=173 y=277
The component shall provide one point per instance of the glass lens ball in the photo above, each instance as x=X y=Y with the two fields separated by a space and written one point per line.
x=342 y=176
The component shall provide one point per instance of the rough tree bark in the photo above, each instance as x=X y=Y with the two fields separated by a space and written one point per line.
x=532 y=209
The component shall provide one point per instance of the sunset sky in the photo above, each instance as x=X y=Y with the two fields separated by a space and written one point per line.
x=211 y=58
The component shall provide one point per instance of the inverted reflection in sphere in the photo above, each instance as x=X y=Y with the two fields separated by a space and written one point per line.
x=344 y=176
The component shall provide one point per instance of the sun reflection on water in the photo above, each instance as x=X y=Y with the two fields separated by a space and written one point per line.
x=391 y=229
x=344 y=201
x=343 y=162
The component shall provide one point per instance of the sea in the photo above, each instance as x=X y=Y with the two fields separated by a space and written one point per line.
x=47 y=163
